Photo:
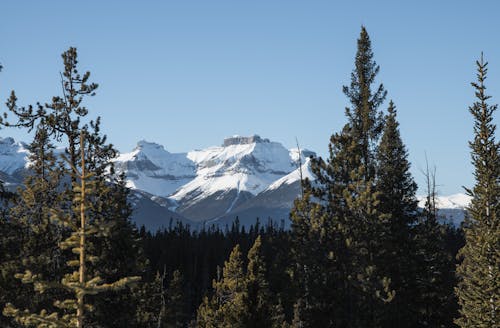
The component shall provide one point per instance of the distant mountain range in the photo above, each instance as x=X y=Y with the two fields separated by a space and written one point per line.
x=245 y=177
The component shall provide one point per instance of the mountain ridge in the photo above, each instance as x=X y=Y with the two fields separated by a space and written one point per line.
x=244 y=177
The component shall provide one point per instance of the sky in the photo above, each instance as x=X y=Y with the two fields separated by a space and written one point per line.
x=187 y=74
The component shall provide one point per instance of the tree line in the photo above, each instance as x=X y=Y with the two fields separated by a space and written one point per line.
x=360 y=253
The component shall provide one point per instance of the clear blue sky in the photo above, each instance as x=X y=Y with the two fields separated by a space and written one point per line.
x=186 y=74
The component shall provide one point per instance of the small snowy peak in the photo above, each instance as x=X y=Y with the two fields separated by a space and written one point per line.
x=161 y=161
x=151 y=168
x=456 y=201
x=302 y=154
x=144 y=149
x=304 y=171
x=13 y=155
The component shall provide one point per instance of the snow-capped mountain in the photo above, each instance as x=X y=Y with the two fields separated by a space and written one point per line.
x=207 y=184
x=456 y=201
x=245 y=177
x=150 y=168
x=13 y=155
x=275 y=202
x=13 y=160
x=451 y=209
x=229 y=175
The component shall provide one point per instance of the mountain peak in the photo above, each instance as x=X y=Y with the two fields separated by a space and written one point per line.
x=7 y=141
x=143 y=144
x=241 y=140
x=13 y=155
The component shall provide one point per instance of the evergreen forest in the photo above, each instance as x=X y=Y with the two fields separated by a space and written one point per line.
x=360 y=253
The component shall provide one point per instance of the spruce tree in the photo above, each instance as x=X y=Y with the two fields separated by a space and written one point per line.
x=339 y=215
x=151 y=308
x=479 y=288
x=175 y=312
x=316 y=272
x=227 y=307
x=259 y=301
x=398 y=208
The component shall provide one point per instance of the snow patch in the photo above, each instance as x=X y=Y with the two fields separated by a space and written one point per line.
x=294 y=176
x=13 y=155
x=456 y=201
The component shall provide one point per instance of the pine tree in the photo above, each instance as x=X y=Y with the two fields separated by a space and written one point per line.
x=259 y=302
x=398 y=208
x=31 y=212
x=278 y=317
x=364 y=227
x=227 y=307
x=479 y=288
x=175 y=312
x=298 y=315
x=63 y=119
x=80 y=282
x=339 y=216
x=151 y=310
x=10 y=252
x=316 y=272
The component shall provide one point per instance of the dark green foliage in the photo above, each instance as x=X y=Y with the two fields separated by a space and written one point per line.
x=71 y=312
x=151 y=302
x=62 y=120
x=435 y=276
x=10 y=287
x=226 y=308
x=298 y=315
x=242 y=297
x=260 y=304
x=479 y=288
x=176 y=315
x=398 y=216
x=120 y=252
x=33 y=237
x=338 y=221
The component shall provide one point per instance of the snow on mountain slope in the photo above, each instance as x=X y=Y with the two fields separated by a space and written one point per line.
x=149 y=167
x=247 y=177
x=231 y=174
x=294 y=176
x=13 y=155
x=456 y=201
x=305 y=153
x=243 y=164
x=451 y=209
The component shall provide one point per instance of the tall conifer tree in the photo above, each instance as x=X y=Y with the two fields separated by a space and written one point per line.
x=80 y=282
x=479 y=288
x=398 y=208
x=64 y=118
x=259 y=301
x=175 y=312
x=345 y=286
x=31 y=212
x=226 y=308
